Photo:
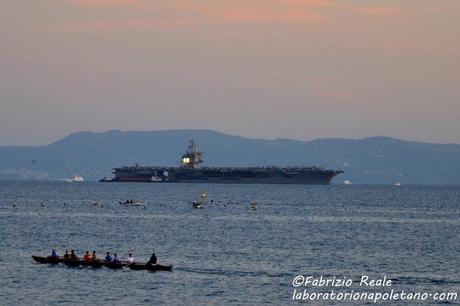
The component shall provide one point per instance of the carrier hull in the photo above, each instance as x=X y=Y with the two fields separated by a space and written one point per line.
x=191 y=172
x=310 y=176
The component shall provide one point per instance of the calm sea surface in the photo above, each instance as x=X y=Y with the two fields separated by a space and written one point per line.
x=226 y=253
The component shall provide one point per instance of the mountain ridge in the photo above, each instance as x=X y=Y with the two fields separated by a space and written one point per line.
x=371 y=160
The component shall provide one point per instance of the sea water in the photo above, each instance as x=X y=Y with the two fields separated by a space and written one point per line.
x=228 y=252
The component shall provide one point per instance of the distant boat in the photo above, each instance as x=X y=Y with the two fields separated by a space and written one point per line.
x=397 y=184
x=74 y=178
x=347 y=182
x=131 y=203
x=197 y=205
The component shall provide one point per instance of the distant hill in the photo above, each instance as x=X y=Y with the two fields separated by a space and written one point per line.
x=376 y=160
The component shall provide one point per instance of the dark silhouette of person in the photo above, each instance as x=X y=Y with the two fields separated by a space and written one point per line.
x=152 y=260
x=73 y=256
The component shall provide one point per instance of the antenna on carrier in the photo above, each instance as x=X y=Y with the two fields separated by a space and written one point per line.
x=192 y=157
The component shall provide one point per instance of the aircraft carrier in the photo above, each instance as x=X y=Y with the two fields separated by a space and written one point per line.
x=190 y=171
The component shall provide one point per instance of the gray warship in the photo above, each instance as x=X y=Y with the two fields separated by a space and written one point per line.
x=190 y=171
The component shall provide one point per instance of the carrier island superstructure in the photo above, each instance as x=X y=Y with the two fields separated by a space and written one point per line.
x=190 y=171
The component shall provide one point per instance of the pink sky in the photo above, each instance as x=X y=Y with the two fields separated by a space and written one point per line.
x=293 y=69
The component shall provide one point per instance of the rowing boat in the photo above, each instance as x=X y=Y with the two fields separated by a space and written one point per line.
x=92 y=264
x=48 y=259
x=115 y=265
x=156 y=267
x=72 y=262
x=100 y=263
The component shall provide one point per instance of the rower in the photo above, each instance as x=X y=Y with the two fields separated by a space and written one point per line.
x=152 y=260
x=87 y=257
x=94 y=257
x=54 y=254
x=130 y=258
x=108 y=257
x=115 y=258
x=73 y=256
x=66 y=255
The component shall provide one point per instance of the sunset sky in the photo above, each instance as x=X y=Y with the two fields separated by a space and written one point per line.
x=299 y=69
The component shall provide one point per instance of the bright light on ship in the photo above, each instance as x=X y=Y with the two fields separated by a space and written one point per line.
x=186 y=160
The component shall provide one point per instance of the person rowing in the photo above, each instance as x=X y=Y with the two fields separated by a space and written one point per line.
x=152 y=261
x=115 y=258
x=73 y=256
x=66 y=255
x=87 y=257
x=54 y=254
x=108 y=258
x=130 y=258
x=94 y=257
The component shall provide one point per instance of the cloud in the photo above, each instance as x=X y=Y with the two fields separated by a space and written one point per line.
x=190 y=13
x=182 y=13
x=309 y=3
x=257 y=15
x=379 y=10
x=93 y=3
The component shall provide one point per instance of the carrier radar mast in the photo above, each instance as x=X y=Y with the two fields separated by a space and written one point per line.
x=192 y=157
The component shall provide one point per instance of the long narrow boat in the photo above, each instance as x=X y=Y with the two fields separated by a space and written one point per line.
x=73 y=262
x=48 y=259
x=115 y=265
x=137 y=266
x=100 y=263
x=159 y=267
x=143 y=266
x=93 y=263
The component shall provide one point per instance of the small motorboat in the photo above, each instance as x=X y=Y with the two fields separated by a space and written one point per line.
x=131 y=203
x=74 y=179
x=106 y=179
x=197 y=205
